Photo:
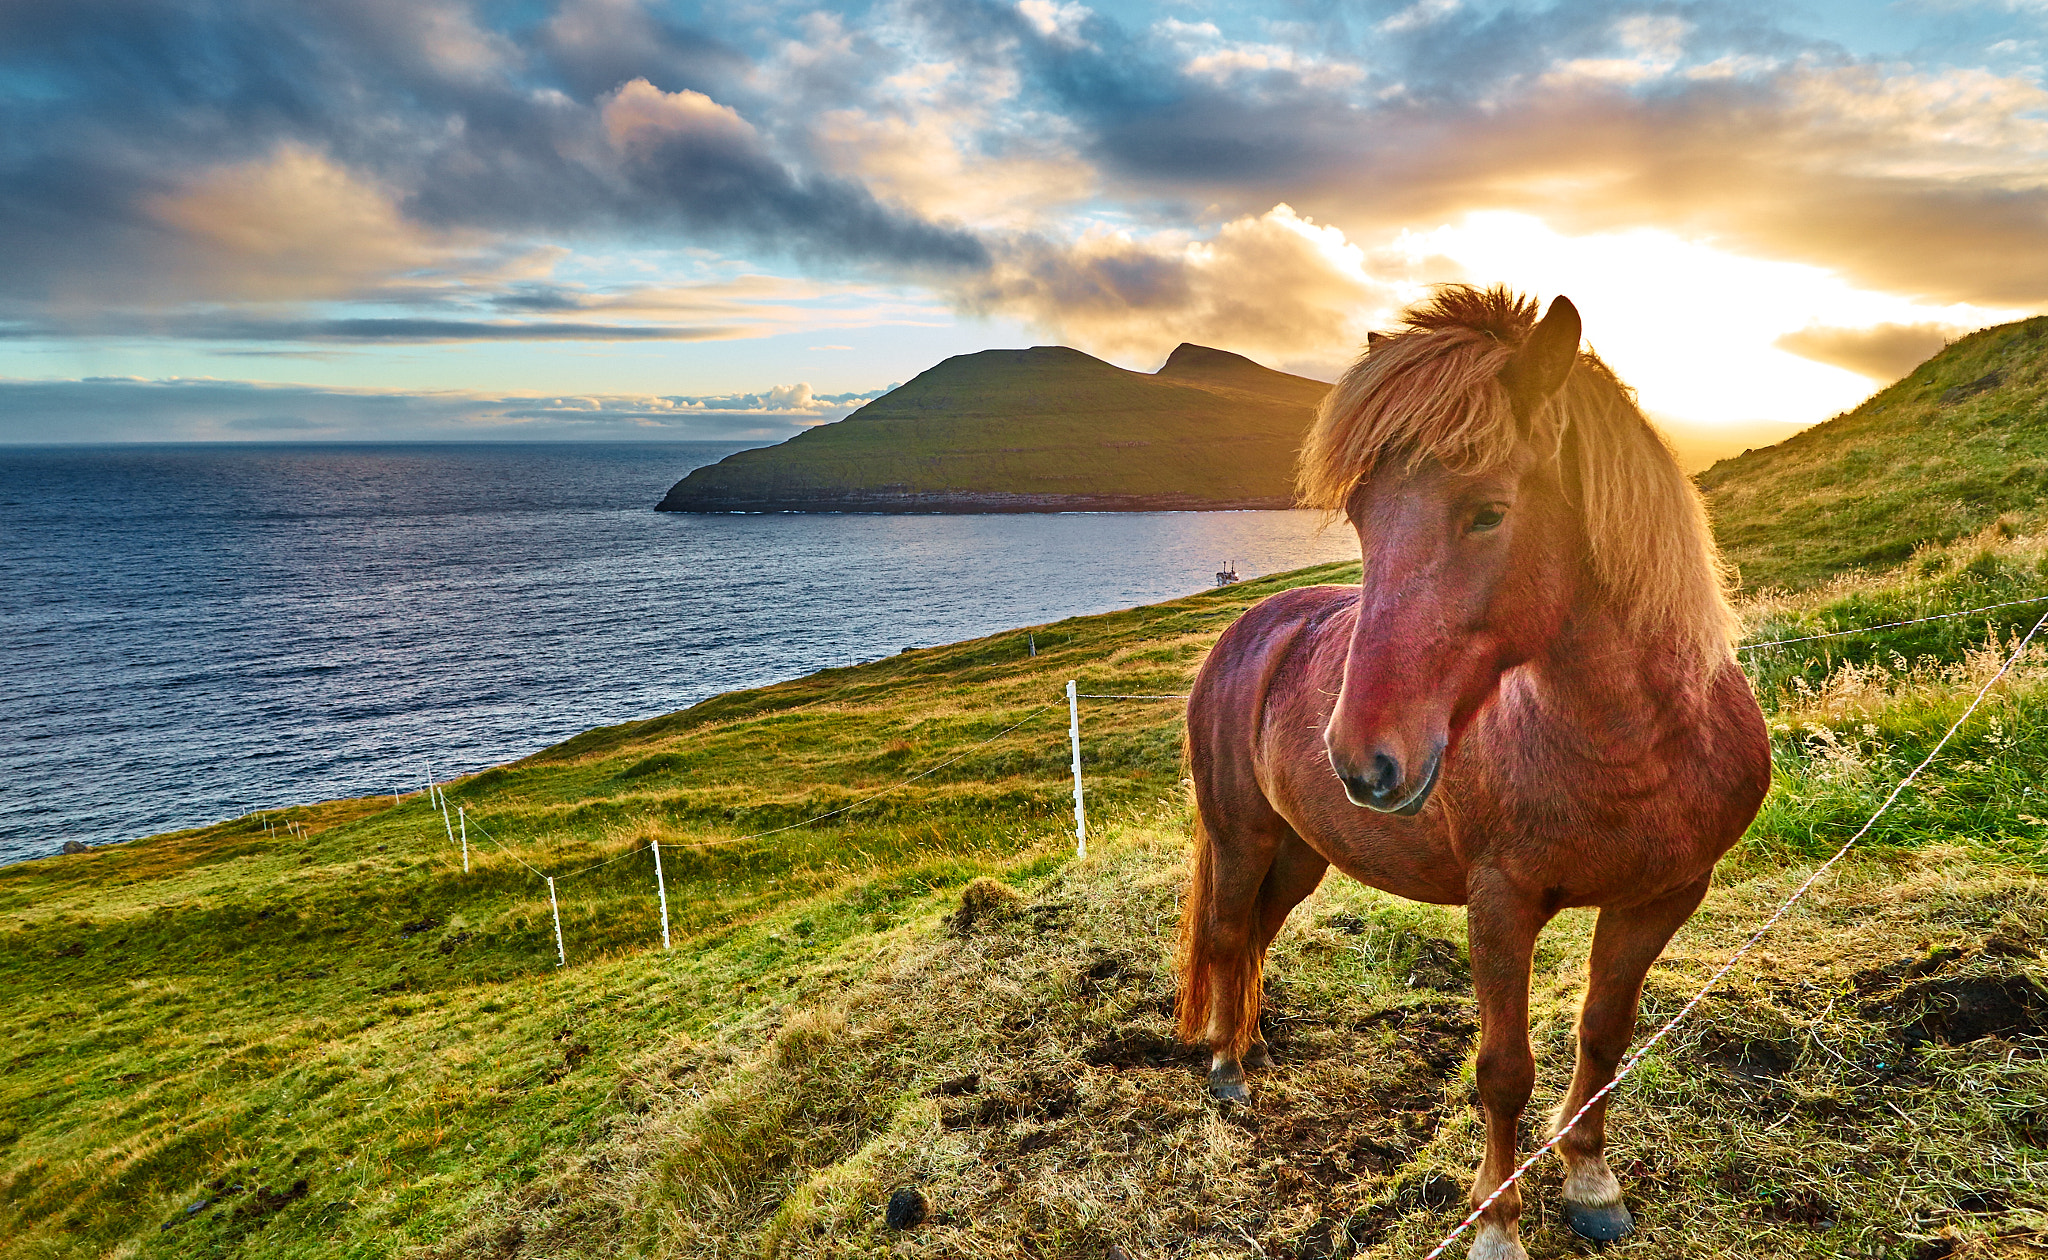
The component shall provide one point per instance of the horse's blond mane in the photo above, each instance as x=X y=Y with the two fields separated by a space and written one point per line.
x=1430 y=391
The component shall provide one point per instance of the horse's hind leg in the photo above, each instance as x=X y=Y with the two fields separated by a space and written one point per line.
x=1223 y=939
x=1625 y=944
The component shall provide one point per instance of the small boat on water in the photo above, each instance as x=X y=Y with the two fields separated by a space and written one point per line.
x=1227 y=574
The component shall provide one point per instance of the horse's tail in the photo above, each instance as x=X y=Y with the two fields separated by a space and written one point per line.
x=1218 y=968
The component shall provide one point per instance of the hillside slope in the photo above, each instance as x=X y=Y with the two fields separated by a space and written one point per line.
x=1939 y=454
x=338 y=1038
x=1044 y=429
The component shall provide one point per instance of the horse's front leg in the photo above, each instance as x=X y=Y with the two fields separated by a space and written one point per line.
x=1501 y=925
x=1625 y=944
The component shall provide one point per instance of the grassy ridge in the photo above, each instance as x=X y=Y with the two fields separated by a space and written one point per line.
x=240 y=1041
x=1935 y=456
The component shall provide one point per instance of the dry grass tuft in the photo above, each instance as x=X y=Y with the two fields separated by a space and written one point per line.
x=984 y=903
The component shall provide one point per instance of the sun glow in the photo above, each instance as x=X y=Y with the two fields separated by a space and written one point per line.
x=1693 y=327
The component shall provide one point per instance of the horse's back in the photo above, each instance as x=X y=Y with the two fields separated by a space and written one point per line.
x=1250 y=654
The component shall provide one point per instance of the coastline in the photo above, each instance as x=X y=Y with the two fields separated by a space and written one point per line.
x=965 y=503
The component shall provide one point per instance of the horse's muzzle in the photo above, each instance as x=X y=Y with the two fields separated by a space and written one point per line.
x=1381 y=792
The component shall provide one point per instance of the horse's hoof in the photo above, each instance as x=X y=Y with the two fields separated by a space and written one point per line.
x=1601 y=1224
x=1226 y=1085
x=1259 y=1056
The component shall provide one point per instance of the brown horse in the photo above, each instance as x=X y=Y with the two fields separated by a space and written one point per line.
x=1530 y=702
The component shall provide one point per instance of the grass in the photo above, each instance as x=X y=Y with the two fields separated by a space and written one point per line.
x=1936 y=456
x=1050 y=423
x=334 y=1042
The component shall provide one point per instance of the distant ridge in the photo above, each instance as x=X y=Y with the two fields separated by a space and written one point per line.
x=1048 y=429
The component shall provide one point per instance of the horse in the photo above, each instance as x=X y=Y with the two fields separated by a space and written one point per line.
x=1530 y=702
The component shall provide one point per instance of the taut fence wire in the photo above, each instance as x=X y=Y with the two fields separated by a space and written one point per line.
x=1642 y=1051
x=1073 y=695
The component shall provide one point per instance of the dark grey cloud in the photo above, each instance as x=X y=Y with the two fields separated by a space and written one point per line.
x=108 y=107
x=595 y=45
x=469 y=127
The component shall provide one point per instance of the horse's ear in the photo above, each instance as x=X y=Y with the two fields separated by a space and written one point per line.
x=1375 y=338
x=1538 y=369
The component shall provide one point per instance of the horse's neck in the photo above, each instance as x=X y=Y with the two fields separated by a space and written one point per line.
x=1611 y=694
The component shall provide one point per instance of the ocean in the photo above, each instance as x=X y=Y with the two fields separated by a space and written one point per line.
x=193 y=632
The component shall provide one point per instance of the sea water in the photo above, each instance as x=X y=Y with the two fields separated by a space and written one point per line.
x=193 y=632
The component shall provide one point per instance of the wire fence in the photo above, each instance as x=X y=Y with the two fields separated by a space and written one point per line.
x=456 y=825
x=1893 y=625
x=654 y=846
x=1642 y=1052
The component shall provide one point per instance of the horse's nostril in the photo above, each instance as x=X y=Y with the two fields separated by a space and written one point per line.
x=1386 y=775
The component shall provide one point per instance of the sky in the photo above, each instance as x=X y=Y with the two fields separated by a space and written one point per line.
x=608 y=219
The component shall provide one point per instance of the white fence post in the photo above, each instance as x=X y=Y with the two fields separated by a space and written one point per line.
x=661 y=889
x=561 y=958
x=444 y=818
x=463 y=815
x=1074 y=734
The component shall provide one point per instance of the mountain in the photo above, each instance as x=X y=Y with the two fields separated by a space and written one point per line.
x=1942 y=453
x=1048 y=429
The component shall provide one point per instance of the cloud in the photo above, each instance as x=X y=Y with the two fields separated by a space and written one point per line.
x=292 y=224
x=640 y=116
x=395 y=330
x=1275 y=286
x=126 y=409
x=1699 y=118
x=1884 y=353
x=339 y=151
x=294 y=172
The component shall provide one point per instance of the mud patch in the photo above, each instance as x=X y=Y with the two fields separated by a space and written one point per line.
x=1875 y=980
x=1955 y=1012
x=1799 y=1207
x=1436 y=1036
x=1143 y=1050
x=1033 y=1098
x=1437 y=965
x=1748 y=1063
x=1318 y=1149
x=1425 y=1192
x=572 y=1056
x=266 y=1201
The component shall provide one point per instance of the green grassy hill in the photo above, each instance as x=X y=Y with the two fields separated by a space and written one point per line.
x=1937 y=455
x=1045 y=429
x=334 y=1041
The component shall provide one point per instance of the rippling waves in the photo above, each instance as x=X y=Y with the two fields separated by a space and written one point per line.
x=196 y=631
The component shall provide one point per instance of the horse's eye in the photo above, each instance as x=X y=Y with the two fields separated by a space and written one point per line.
x=1486 y=518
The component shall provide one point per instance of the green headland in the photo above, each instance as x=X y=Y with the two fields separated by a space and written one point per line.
x=1042 y=430
x=891 y=972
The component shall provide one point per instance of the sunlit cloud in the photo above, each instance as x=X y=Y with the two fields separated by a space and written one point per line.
x=1275 y=286
x=1717 y=349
